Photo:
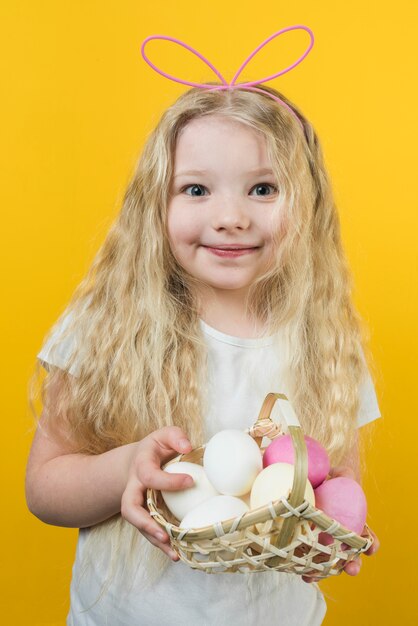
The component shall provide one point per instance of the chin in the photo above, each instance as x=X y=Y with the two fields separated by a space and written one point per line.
x=230 y=286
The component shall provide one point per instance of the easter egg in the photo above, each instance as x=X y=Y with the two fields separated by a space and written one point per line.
x=216 y=509
x=182 y=501
x=281 y=450
x=274 y=482
x=232 y=460
x=343 y=500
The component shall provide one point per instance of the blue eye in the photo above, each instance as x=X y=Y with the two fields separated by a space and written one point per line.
x=195 y=186
x=261 y=185
x=200 y=189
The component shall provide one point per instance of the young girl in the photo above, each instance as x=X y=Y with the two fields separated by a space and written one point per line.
x=222 y=279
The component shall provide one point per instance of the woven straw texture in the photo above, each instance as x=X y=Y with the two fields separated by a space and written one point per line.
x=281 y=536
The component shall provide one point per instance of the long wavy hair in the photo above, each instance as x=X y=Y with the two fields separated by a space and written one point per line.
x=140 y=352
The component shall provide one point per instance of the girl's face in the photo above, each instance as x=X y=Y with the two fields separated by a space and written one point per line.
x=223 y=196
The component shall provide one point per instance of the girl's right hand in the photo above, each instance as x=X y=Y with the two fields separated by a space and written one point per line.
x=145 y=472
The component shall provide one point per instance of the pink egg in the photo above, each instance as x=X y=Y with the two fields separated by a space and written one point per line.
x=343 y=500
x=281 y=451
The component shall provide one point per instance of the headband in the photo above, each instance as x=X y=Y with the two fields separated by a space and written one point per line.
x=233 y=84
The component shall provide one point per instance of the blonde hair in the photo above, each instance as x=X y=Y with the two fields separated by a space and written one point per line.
x=141 y=356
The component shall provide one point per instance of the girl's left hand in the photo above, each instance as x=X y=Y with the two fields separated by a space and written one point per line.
x=353 y=567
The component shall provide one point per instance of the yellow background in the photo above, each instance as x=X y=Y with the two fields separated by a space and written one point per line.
x=77 y=103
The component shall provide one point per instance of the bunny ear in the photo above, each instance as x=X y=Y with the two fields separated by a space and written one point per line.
x=179 y=80
x=233 y=84
x=287 y=69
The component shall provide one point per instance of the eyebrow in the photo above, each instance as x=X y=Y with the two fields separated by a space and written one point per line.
x=258 y=171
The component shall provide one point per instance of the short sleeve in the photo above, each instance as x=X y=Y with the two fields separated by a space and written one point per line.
x=59 y=355
x=369 y=407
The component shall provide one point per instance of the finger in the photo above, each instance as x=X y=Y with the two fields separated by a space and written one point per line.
x=142 y=520
x=166 y=548
x=168 y=439
x=309 y=579
x=374 y=547
x=151 y=475
x=376 y=543
x=133 y=511
x=175 y=482
x=353 y=568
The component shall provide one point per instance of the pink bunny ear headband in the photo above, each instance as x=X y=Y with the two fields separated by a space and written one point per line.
x=233 y=84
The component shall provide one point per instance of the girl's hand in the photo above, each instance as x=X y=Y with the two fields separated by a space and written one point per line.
x=144 y=471
x=353 y=567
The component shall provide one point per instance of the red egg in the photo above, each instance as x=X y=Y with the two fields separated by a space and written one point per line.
x=281 y=451
x=343 y=500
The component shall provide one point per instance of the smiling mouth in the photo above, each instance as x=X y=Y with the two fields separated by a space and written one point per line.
x=230 y=252
x=232 y=247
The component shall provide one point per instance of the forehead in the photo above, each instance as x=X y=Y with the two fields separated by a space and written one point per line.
x=216 y=138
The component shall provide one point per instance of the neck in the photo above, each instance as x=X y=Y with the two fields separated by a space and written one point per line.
x=225 y=310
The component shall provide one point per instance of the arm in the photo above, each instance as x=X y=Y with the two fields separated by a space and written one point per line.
x=71 y=489
x=79 y=490
x=75 y=490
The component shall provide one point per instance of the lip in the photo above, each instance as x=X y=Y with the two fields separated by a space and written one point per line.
x=231 y=251
x=231 y=246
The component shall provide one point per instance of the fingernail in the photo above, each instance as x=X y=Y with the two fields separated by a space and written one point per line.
x=184 y=444
x=172 y=554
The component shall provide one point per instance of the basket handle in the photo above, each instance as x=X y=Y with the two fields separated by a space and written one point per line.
x=297 y=494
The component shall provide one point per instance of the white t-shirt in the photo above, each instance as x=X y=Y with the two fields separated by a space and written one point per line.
x=241 y=373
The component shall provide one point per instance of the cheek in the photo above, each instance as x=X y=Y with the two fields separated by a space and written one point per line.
x=171 y=227
x=182 y=227
x=182 y=232
x=174 y=224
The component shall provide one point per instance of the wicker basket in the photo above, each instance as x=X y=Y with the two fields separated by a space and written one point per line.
x=281 y=536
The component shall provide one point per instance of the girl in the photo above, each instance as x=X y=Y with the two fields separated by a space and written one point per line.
x=223 y=278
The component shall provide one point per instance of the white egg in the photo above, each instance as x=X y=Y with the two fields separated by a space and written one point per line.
x=232 y=460
x=181 y=501
x=275 y=481
x=217 y=509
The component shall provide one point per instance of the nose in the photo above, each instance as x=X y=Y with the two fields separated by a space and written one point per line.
x=230 y=214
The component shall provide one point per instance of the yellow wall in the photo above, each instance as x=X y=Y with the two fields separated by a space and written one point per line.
x=77 y=102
